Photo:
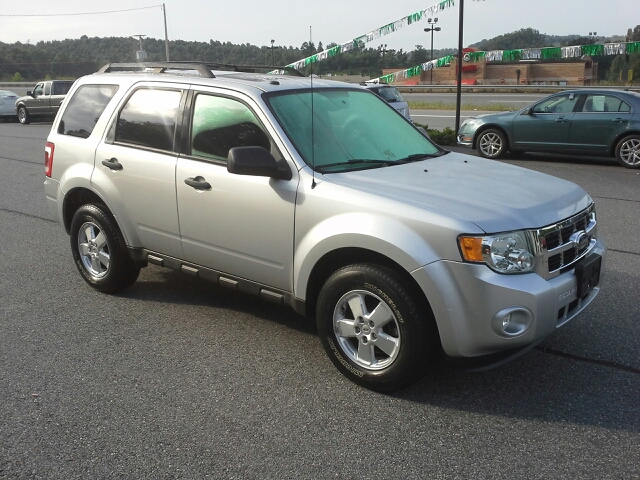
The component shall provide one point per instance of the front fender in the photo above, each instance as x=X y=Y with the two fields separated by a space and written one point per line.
x=384 y=235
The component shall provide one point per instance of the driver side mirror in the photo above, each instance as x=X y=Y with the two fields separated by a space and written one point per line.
x=256 y=161
x=30 y=93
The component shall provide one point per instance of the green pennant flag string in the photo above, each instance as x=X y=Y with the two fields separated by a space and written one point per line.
x=551 y=53
x=379 y=32
x=414 y=17
x=633 y=47
x=511 y=55
x=593 y=50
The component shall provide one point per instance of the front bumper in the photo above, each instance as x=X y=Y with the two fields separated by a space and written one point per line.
x=470 y=302
x=464 y=140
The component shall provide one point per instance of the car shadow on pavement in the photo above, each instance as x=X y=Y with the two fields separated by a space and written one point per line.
x=540 y=386
x=158 y=284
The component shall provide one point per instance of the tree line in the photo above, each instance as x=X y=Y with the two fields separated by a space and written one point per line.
x=73 y=58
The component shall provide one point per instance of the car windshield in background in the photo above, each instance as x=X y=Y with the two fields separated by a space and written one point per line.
x=348 y=130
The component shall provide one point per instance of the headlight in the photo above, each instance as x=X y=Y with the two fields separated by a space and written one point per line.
x=470 y=122
x=510 y=252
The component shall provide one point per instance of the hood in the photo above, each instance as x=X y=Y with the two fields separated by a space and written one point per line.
x=495 y=196
x=492 y=117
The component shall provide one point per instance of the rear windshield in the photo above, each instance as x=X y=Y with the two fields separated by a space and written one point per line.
x=84 y=109
x=390 y=94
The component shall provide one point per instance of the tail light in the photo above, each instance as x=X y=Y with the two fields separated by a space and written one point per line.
x=48 y=158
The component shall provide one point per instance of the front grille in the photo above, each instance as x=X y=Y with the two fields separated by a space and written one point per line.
x=563 y=244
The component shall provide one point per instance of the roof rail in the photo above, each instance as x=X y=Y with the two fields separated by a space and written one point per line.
x=202 y=68
x=157 y=67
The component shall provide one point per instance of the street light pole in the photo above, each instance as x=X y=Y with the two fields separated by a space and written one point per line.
x=459 y=72
x=432 y=29
x=273 y=62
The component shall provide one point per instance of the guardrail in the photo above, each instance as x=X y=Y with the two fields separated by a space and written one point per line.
x=507 y=88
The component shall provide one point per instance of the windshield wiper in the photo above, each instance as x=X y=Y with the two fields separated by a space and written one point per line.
x=418 y=156
x=355 y=161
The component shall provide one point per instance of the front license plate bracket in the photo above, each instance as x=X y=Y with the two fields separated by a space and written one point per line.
x=588 y=274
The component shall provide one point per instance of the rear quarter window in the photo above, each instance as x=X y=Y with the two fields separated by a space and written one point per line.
x=84 y=109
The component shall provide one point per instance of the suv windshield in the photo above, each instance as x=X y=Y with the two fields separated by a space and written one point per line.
x=349 y=130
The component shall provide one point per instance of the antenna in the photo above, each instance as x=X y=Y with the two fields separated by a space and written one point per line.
x=313 y=137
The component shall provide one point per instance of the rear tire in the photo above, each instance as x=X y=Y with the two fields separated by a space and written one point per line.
x=492 y=143
x=99 y=250
x=628 y=151
x=23 y=116
x=372 y=329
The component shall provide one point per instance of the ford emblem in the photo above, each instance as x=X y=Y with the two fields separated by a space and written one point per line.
x=580 y=240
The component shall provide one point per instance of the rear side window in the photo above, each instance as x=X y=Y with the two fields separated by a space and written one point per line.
x=604 y=103
x=61 y=88
x=84 y=109
x=47 y=88
x=149 y=119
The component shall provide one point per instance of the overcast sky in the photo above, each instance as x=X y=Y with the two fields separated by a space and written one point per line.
x=288 y=21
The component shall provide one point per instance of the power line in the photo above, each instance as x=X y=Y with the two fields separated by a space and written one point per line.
x=85 y=13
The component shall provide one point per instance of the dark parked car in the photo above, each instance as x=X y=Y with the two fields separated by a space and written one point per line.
x=589 y=121
x=391 y=95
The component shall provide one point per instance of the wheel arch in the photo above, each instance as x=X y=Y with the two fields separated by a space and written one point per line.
x=341 y=257
x=616 y=141
x=488 y=126
x=77 y=197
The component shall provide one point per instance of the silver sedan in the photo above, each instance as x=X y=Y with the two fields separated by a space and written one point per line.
x=8 y=104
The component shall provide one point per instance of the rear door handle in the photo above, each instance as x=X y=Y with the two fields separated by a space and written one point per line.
x=618 y=120
x=112 y=163
x=199 y=183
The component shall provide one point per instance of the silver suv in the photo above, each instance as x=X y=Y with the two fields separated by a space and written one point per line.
x=318 y=195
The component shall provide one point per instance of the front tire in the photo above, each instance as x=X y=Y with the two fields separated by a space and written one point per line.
x=628 y=151
x=100 y=252
x=492 y=143
x=23 y=116
x=372 y=329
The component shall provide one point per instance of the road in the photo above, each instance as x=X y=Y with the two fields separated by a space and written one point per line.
x=441 y=119
x=176 y=378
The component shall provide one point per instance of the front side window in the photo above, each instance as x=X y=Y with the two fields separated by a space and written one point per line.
x=558 y=104
x=149 y=119
x=38 y=90
x=348 y=130
x=220 y=123
x=85 y=108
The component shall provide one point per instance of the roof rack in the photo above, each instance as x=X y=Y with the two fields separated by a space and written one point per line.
x=202 y=68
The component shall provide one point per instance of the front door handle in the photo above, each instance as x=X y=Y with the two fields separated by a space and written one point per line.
x=199 y=183
x=561 y=119
x=112 y=163
x=618 y=120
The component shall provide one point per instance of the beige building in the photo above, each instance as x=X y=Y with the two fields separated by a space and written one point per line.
x=582 y=71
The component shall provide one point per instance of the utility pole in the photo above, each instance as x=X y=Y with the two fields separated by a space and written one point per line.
x=166 y=37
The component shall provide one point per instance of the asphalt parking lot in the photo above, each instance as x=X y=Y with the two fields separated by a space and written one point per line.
x=176 y=378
